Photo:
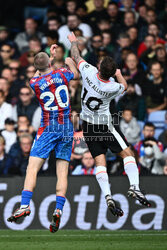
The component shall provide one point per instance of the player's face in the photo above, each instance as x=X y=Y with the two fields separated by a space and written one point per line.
x=148 y=132
x=88 y=160
x=25 y=145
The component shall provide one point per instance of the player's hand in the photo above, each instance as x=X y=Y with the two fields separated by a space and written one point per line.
x=72 y=38
x=68 y=60
x=118 y=72
x=53 y=49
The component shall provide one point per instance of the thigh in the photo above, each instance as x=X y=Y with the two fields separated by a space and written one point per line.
x=94 y=139
x=63 y=149
x=118 y=142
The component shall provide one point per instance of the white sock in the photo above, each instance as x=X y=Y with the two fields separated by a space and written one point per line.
x=132 y=171
x=102 y=178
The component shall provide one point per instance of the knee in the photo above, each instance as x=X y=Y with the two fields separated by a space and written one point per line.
x=127 y=152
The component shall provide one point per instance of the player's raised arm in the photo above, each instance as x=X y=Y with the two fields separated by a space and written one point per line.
x=121 y=79
x=74 y=48
x=72 y=66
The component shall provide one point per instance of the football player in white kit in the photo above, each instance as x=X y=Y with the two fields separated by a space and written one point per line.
x=99 y=88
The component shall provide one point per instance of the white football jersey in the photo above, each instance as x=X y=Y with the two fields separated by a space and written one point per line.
x=97 y=94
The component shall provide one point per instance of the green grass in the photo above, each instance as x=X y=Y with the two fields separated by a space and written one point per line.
x=82 y=240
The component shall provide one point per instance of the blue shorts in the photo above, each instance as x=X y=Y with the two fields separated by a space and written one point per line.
x=60 y=141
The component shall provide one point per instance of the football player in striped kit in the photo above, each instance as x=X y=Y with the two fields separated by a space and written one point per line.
x=55 y=132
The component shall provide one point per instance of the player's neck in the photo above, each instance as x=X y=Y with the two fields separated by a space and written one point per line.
x=41 y=73
x=102 y=78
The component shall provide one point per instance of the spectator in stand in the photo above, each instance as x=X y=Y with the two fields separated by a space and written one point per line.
x=73 y=22
x=133 y=34
x=5 y=110
x=133 y=101
x=98 y=13
x=18 y=164
x=154 y=29
x=122 y=42
x=103 y=24
x=82 y=12
x=130 y=127
x=25 y=105
x=15 y=85
x=151 y=17
x=4 y=85
x=96 y=43
x=142 y=10
x=23 y=123
x=134 y=72
x=148 y=132
x=3 y=156
x=115 y=18
x=87 y=167
x=129 y=20
x=71 y=6
x=148 y=44
x=52 y=38
x=53 y=23
x=155 y=89
x=163 y=136
x=153 y=160
x=161 y=56
x=9 y=134
x=82 y=46
x=107 y=41
x=127 y=5
x=22 y=39
x=34 y=46
x=5 y=55
x=4 y=35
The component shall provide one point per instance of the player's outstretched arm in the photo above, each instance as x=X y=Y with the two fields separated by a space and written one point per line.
x=74 y=48
x=121 y=79
x=72 y=66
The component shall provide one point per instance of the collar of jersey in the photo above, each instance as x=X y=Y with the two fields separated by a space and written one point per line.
x=101 y=79
x=43 y=75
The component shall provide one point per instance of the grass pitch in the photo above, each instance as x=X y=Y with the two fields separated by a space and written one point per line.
x=82 y=240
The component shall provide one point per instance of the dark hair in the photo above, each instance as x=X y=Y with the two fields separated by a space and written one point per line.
x=52 y=34
x=83 y=6
x=150 y=35
x=131 y=12
x=149 y=124
x=61 y=46
x=107 y=67
x=54 y=18
x=35 y=38
x=153 y=63
x=123 y=35
x=25 y=87
x=113 y=3
x=9 y=121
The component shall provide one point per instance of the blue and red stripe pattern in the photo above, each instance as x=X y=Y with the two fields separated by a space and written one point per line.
x=53 y=95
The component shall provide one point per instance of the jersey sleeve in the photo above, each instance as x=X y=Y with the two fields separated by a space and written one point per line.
x=85 y=67
x=117 y=89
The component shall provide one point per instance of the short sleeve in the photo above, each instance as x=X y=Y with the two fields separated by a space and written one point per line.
x=83 y=67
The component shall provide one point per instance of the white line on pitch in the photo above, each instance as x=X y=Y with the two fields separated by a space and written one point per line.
x=83 y=235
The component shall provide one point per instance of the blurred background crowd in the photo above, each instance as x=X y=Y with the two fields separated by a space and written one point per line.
x=134 y=33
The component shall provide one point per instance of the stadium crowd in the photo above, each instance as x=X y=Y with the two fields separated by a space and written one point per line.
x=134 y=33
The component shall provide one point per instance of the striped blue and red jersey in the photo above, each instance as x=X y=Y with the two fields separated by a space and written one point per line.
x=53 y=95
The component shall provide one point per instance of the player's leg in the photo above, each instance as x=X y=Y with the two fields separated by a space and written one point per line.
x=33 y=167
x=61 y=189
x=132 y=172
x=103 y=180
